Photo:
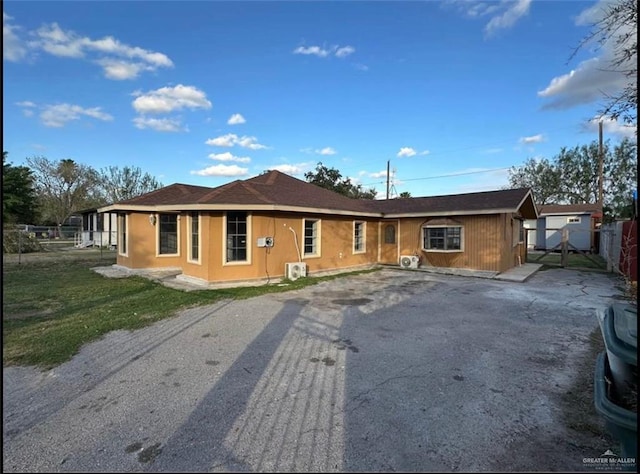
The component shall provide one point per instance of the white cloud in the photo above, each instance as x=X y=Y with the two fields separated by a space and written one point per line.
x=532 y=139
x=425 y=152
x=514 y=12
x=611 y=127
x=379 y=174
x=345 y=51
x=592 y=80
x=406 y=151
x=588 y=83
x=222 y=170
x=314 y=50
x=27 y=107
x=236 y=119
x=226 y=156
x=231 y=139
x=160 y=125
x=326 y=151
x=502 y=15
x=321 y=52
x=293 y=170
x=13 y=49
x=361 y=67
x=169 y=99
x=58 y=115
x=118 y=60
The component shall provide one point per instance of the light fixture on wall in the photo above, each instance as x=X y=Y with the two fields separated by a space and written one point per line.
x=152 y=219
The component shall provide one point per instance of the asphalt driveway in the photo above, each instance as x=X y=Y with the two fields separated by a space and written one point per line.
x=387 y=371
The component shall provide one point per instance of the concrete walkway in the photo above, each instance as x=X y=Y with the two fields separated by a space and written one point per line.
x=173 y=278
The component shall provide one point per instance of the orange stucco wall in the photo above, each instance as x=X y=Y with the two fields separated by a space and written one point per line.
x=335 y=241
x=487 y=245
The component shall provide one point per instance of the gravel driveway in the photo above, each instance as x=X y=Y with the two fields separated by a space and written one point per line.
x=386 y=371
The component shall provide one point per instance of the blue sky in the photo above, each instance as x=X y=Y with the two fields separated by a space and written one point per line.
x=451 y=93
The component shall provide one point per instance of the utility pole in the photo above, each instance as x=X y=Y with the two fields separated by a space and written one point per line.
x=387 y=179
x=601 y=165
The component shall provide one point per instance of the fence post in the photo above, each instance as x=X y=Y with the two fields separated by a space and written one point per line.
x=19 y=247
x=564 y=260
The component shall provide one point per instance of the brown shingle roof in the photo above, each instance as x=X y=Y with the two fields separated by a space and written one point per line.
x=457 y=203
x=278 y=189
x=570 y=208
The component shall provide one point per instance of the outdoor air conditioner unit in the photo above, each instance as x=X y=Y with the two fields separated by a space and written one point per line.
x=295 y=270
x=409 y=261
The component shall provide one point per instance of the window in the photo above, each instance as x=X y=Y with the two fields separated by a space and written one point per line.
x=311 y=241
x=390 y=234
x=122 y=234
x=194 y=237
x=358 y=237
x=168 y=229
x=442 y=238
x=573 y=220
x=517 y=231
x=236 y=236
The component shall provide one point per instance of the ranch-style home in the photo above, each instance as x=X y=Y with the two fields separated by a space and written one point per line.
x=275 y=226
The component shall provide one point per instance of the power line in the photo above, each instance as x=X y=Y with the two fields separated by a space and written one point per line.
x=444 y=175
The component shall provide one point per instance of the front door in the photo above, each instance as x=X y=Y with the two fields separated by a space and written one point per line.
x=389 y=242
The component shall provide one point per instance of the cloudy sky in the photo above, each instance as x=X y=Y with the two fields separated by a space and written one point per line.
x=450 y=93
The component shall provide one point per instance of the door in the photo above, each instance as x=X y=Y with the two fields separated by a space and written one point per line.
x=389 y=242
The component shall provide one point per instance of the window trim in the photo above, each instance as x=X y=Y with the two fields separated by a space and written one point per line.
x=458 y=226
x=157 y=226
x=190 y=220
x=363 y=237
x=318 y=247
x=224 y=241
x=123 y=228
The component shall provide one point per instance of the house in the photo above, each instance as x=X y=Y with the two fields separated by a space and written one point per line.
x=255 y=229
x=98 y=229
x=580 y=220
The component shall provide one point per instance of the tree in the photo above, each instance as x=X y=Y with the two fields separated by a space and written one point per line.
x=64 y=187
x=572 y=177
x=119 y=184
x=18 y=193
x=405 y=194
x=331 y=179
x=541 y=176
x=616 y=31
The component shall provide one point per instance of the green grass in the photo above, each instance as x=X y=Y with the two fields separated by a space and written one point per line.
x=575 y=260
x=51 y=308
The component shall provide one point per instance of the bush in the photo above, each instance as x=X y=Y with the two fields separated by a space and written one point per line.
x=18 y=241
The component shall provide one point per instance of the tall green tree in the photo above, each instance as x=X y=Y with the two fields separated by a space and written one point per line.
x=64 y=187
x=19 y=203
x=572 y=177
x=542 y=176
x=118 y=184
x=331 y=179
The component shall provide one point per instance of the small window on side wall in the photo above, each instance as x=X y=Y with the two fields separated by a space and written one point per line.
x=573 y=220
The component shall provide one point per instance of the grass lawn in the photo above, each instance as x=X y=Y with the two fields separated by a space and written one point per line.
x=52 y=306
x=575 y=260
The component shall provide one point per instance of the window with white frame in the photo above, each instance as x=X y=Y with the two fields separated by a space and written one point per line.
x=122 y=234
x=442 y=238
x=311 y=237
x=358 y=236
x=168 y=234
x=194 y=236
x=236 y=237
x=573 y=220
